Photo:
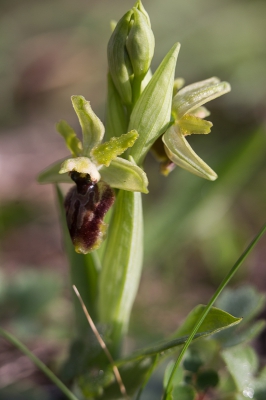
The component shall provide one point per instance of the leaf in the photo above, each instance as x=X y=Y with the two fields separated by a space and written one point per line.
x=126 y=175
x=92 y=127
x=72 y=141
x=152 y=112
x=190 y=124
x=51 y=174
x=178 y=374
x=122 y=263
x=180 y=152
x=245 y=302
x=104 y=153
x=116 y=121
x=184 y=392
x=242 y=363
x=215 y=321
x=187 y=100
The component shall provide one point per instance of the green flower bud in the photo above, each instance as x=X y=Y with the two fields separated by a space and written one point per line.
x=119 y=65
x=86 y=205
x=140 y=44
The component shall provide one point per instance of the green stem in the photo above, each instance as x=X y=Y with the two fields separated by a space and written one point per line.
x=122 y=263
x=8 y=336
x=225 y=281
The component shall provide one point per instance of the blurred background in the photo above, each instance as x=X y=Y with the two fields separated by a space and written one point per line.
x=194 y=229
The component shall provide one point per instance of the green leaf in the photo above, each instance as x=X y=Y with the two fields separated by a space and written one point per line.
x=116 y=120
x=245 y=302
x=177 y=377
x=104 y=153
x=242 y=363
x=180 y=152
x=51 y=174
x=206 y=379
x=184 y=392
x=192 y=97
x=126 y=175
x=215 y=321
x=152 y=112
x=92 y=127
x=190 y=124
x=122 y=263
x=72 y=141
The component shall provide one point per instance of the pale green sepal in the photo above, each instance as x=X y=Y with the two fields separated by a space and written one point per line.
x=104 y=153
x=121 y=265
x=116 y=120
x=51 y=175
x=140 y=7
x=140 y=44
x=178 y=84
x=201 y=112
x=184 y=102
x=152 y=112
x=180 y=152
x=199 y=85
x=190 y=124
x=126 y=175
x=82 y=165
x=91 y=125
x=116 y=58
x=72 y=141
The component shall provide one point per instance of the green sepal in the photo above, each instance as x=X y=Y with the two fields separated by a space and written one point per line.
x=116 y=58
x=126 y=175
x=181 y=153
x=194 y=96
x=140 y=44
x=92 y=127
x=152 y=112
x=72 y=141
x=51 y=174
x=116 y=120
x=190 y=124
x=104 y=153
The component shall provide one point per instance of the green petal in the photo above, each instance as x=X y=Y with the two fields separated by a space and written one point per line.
x=126 y=175
x=180 y=152
x=190 y=124
x=192 y=97
x=72 y=141
x=152 y=112
x=92 y=127
x=83 y=165
x=51 y=174
x=106 y=152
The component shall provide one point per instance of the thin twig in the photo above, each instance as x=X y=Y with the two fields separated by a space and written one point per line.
x=103 y=345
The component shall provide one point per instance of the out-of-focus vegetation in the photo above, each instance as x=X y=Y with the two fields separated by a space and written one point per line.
x=195 y=229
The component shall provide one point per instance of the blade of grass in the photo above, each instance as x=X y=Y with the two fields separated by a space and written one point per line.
x=39 y=364
x=225 y=281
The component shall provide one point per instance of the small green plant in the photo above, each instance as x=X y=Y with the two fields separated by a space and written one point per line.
x=103 y=231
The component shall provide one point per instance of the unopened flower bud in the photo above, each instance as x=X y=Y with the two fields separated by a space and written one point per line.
x=140 y=44
x=118 y=60
x=86 y=205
